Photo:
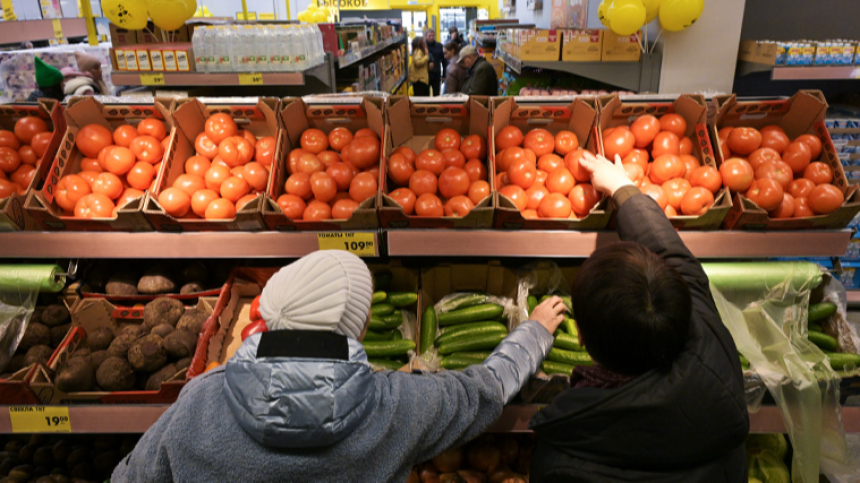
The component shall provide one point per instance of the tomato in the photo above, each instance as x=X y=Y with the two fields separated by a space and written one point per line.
x=264 y=150
x=8 y=188
x=744 y=140
x=205 y=146
x=292 y=206
x=343 y=209
x=785 y=209
x=521 y=173
x=236 y=151
x=94 y=205
x=220 y=209
x=501 y=180
x=560 y=181
x=540 y=141
x=674 y=123
x=423 y=181
x=8 y=140
x=666 y=167
x=776 y=170
x=429 y=205
x=508 y=137
x=637 y=156
x=797 y=155
x=256 y=175
x=724 y=149
x=571 y=160
x=407 y=153
x=770 y=128
x=92 y=138
x=478 y=191
x=670 y=211
x=634 y=172
x=430 y=160
x=128 y=195
x=516 y=195
x=314 y=141
x=508 y=157
x=619 y=142
x=364 y=152
x=200 y=201
x=119 y=160
x=474 y=147
x=40 y=143
x=109 y=185
x=812 y=142
x=219 y=162
x=23 y=175
x=453 y=158
x=341 y=174
x=238 y=171
x=666 y=143
x=774 y=137
x=29 y=126
x=737 y=174
x=454 y=182
x=197 y=165
x=215 y=176
x=366 y=133
x=329 y=158
x=89 y=176
x=165 y=143
x=535 y=194
x=530 y=214
x=645 y=129
x=657 y=194
x=542 y=176
x=825 y=198
x=140 y=176
x=476 y=170
x=801 y=187
x=339 y=137
x=766 y=192
x=363 y=185
x=690 y=165
x=762 y=155
x=323 y=187
x=146 y=148
x=189 y=183
x=801 y=208
x=447 y=139
x=27 y=155
x=458 y=206
x=9 y=159
x=220 y=126
x=685 y=146
x=818 y=173
x=152 y=127
x=706 y=177
x=309 y=163
x=550 y=162
x=554 y=205
x=234 y=188
x=675 y=190
x=583 y=197
x=249 y=136
x=697 y=201
x=405 y=198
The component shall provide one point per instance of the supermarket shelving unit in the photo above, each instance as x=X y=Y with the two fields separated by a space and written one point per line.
x=33 y=30
x=801 y=72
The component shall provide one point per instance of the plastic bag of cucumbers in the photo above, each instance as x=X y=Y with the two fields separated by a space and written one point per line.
x=390 y=338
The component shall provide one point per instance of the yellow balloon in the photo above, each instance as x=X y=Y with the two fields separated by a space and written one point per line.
x=319 y=16
x=601 y=13
x=304 y=16
x=626 y=17
x=190 y=7
x=168 y=14
x=677 y=15
x=312 y=7
x=652 y=8
x=127 y=14
x=206 y=12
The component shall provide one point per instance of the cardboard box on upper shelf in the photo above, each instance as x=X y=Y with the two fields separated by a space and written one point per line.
x=581 y=45
x=621 y=48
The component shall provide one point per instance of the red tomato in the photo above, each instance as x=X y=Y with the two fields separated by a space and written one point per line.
x=40 y=143
x=571 y=160
x=109 y=185
x=666 y=143
x=541 y=177
x=583 y=197
x=309 y=163
x=801 y=187
x=530 y=214
x=744 y=140
x=645 y=129
x=697 y=201
x=801 y=208
x=685 y=146
x=476 y=170
x=515 y=195
x=447 y=139
x=128 y=195
x=674 y=123
x=215 y=176
x=94 y=205
x=453 y=182
x=256 y=175
x=364 y=152
x=146 y=148
x=565 y=142
x=292 y=206
x=200 y=201
x=690 y=165
x=818 y=173
x=619 y=142
x=509 y=156
x=140 y=176
x=23 y=175
x=675 y=190
x=666 y=167
x=458 y=206
x=429 y=205
x=670 y=211
x=535 y=194
x=724 y=132
x=737 y=174
x=175 y=202
x=554 y=205
x=550 y=162
x=560 y=181
x=89 y=176
x=9 y=159
x=775 y=170
x=205 y=146
x=197 y=165
x=124 y=135
x=219 y=127
x=366 y=133
x=797 y=155
x=234 y=188
x=27 y=155
x=405 y=198
x=706 y=177
x=363 y=185
x=189 y=183
x=339 y=137
x=314 y=141
x=8 y=188
x=236 y=151
x=221 y=209
x=453 y=158
x=29 y=126
x=774 y=137
x=264 y=150
x=540 y=141
x=165 y=143
x=92 y=138
x=637 y=156
x=478 y=191
x=8 y=140
x=119 y=161
x=423 y=181
x=508 y=137
x=785 y=208
x=474 y=147
x=634 y=172
x=328 y=158
x=343 y=209
x=766 y=192
x=323 y=187
x=762 y=155
x=825 y=198
x=724 y=149
x=657 y=194
x=502 y=180
x=407 y=153
x=430 y=160
x=152 y=127
x=341 y=174
x=521 y=173
x=812 y=142
x=249 y=136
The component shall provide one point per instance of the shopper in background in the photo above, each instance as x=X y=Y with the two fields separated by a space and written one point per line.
x=437 y=61
x=664 y=400
x=481 y=77
x=455 y=36
x=455 y=75
x=49 y=82
x=301 y=403
x=92 y=66
x=418 y=75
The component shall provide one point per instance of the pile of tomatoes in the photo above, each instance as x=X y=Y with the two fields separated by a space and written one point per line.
x=117 y=167
x=330 y=174
x=454 y=169
x=779 y=175
x=20 y=154
x=230 y=169
x=540 y=173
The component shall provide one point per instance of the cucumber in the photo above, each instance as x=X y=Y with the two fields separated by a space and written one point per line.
x=568 y=342
x=396 y=317
x=382 y=280
x=570 y=327
x=821 y=311
x=745 y=364
x=379 y=297
x=478 y=343
x=402 y=299
x=386 y=364
x=463 y=301
x=376 y=349
x=823 y=341
x=568 y=302
x=838 y=361
x=470 y=314
x=428 y=328
x=382 y=309
x=471 y=330
x=373 y=335
x=532 y=302
x=569 y=357
x=397 y=335
x=462 y=360
x=381 y=323
x=551 y=367
x=816 y=327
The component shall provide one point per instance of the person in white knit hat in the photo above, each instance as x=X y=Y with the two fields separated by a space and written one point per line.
x=301 y=403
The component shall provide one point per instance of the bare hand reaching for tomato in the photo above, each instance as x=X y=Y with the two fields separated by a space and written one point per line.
x=606 y=176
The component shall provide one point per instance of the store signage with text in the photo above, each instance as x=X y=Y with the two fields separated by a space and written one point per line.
x=354 y=4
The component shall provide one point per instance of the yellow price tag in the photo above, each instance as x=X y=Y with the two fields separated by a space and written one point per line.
x=58 y=28
x=8 y=11
x=361 y=244
x=40 y=419
x=152 y=79
x=251 y=79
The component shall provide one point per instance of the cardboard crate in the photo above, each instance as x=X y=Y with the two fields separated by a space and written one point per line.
x=80 y=112
x=694 y=110
x=122 y=37
x=414 y=122
x=758 y=51
x=15 y=389
x=539 y=45
x=188 y=121
x=620 y=48
x=803 y=113
x=13 y=217
x=296 y=116
x=581 y=45
x=578 y=115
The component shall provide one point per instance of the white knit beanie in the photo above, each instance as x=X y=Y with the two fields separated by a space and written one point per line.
x=327 y=290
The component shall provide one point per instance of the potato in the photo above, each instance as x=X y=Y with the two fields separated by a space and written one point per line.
x=136 y=330
x=46 y=479
x=181 y=343
x=61 y=450
x=148 y=353
x=84 y=471
x=115 y=374
x=39 y=354
x=162 y=330
x=192 y=320
x=36 y=334
x=97 y=357
x=14 y=446
x=162 y=310
x=99 y=339
x=192 y=287
x=183 y=364
x=122 y=283
x=120 y=345
x=21 y=473
x=77 y=376
x=54 y=315
x=8 y=464
x=43 y=456
x=59 y=333
x=78 y=455
x=26 y=453
x=156 y=280
x=153 y=383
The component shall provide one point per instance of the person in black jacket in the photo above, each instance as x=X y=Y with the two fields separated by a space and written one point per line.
x=664 y=399
x=454 y=36
x=436 y=68
x=481 y=77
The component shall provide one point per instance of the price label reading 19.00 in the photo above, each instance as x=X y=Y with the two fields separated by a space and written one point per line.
x=361 y=244
x=40 y=419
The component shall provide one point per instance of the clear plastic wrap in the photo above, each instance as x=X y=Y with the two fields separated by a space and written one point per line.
x=16 y=309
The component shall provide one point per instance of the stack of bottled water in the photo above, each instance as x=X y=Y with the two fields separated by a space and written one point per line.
x=257 y=48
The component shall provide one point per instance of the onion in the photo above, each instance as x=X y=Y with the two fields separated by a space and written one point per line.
x=484 y=457
x=448 y=461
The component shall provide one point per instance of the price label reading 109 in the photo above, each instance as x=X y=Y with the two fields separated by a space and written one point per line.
x=361 y=244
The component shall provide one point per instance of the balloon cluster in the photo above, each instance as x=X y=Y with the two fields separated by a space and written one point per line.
x=315 y=14
x=133 y=14
x=626 y=17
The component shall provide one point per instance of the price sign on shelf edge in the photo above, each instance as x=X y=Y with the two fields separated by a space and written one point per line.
x=40 y=419
x=251 y=79
x=361 y=244
x=152 y=79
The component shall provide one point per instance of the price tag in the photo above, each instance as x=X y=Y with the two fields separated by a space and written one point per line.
x=251 y=79
x=58 y=28
x=8 y=11
x=361 y=244
x=152 y=79
x=40 y=419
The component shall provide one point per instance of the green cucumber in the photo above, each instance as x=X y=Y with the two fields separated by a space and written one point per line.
x=463 y=301
x=532 y=302
x=428 y=328
x=550 y=367
x=821 y=311
x=382 y=309
x=381 y=323
x=376 y=349
x=397 y=335
x=838 y=361
x=396 y=317
x=386 y=364
x=373 y=335
x=462 y=360
x=471 y=330
x=382 y=280
x=470 y=314
x=823 y=341
x=816 y=327
x=379 y=297
x=568 y=302
x=745 y=364
x=569 y=357
x=478 y=343
x=402 y=299
x=568 y=342
x=570 y=327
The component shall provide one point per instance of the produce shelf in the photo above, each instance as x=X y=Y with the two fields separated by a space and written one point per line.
x=359 y=55
x=32 y=30
x=208 y=79
x=802 y=72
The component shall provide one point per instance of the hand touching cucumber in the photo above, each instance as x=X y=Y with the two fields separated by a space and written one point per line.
x=549 y=313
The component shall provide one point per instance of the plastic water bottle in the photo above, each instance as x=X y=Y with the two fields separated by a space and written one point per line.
x=262 y=44
x=318 y=43
x=198 y=42
x=288 y=49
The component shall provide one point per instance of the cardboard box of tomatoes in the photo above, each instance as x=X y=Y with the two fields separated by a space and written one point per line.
x=670 y=142
x=436 y=173
x=536 y=148
x=217 y=167
x=781 y=163
x=106 y=151
x=33 y=132
x=329 y=175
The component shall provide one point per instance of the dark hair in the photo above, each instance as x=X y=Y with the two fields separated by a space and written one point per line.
x=632 y=309
x=453 y=47
x=418 y=43
x=452 y=29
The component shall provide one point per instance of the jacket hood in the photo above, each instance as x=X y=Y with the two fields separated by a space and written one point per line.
x=297 y=399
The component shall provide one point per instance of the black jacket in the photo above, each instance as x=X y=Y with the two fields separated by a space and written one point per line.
x=481 y=79
x=437 y=56
x=685 y=426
